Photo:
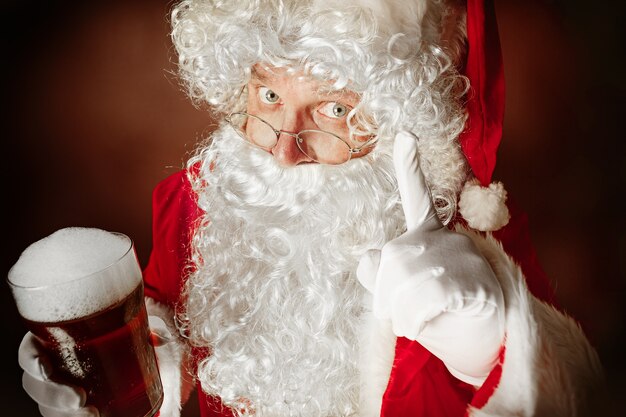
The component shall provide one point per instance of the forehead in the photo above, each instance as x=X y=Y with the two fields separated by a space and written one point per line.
x=273 y=77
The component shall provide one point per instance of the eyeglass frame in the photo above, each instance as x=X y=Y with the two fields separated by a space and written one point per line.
x=299 y=140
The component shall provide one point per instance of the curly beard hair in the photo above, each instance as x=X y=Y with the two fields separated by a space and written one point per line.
x=273 y=292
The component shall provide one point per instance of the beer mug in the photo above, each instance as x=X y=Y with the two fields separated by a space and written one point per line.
x=80 y=292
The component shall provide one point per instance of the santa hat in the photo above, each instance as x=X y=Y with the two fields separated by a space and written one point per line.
x=482 y=202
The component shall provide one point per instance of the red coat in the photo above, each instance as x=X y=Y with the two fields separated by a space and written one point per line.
x=419 y=384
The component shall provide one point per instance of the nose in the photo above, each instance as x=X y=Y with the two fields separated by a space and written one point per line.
x=286 y=150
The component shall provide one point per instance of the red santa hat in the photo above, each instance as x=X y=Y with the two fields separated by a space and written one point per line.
x=482 y=202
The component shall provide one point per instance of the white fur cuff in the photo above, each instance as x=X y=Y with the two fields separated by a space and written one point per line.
x=170 y=360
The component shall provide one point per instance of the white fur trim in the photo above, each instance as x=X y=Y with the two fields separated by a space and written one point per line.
x=376 y=359
x=484 y=208
x=550 y=368
x=170 y=360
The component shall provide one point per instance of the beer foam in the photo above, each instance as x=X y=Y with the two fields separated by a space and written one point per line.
x=73 y=272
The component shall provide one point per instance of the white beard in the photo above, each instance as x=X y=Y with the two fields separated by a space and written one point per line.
x=274 y=295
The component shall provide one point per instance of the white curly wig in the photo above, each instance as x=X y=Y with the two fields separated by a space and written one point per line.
x=400 y=57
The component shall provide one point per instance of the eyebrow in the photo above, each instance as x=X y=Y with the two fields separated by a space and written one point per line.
x=258 y=76
x=267 y=77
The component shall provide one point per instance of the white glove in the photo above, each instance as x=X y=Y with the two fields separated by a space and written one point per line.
x=62 y=400
x=433 y=284
x=54 y=399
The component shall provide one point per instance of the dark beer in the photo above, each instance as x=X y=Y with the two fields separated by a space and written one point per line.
x=93 y=353
x=80 y=292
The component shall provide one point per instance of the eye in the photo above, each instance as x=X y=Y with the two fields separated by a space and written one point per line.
x=267 y=96
x=334 y=110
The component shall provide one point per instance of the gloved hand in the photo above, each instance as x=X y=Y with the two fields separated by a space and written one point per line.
x=432 y=283
x=54 y=399
x=61 y=400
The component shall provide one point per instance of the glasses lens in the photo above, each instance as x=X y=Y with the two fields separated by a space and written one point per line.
x=323 y=147
x=254 y=130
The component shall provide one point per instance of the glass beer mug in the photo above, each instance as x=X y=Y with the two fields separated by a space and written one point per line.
x=80 y=292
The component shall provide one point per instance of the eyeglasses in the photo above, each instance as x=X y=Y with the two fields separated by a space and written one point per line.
x=320 y=146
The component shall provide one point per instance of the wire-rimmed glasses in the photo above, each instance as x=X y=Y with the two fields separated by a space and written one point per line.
x=319 y=145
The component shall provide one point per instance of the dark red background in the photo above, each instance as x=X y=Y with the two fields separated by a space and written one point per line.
x=93 y=118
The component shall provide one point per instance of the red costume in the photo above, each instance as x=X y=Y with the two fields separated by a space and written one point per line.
x=419 y=383
x=545 y=363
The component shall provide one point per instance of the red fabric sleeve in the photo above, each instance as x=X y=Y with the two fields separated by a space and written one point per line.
x=420 y=385
x=174 y=214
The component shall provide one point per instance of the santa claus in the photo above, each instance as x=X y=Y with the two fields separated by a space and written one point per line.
x=336 y=247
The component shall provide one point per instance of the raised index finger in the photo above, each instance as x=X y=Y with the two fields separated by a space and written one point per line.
x=414 y=193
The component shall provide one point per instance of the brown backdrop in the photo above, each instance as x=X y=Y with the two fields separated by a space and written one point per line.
x=94 y=118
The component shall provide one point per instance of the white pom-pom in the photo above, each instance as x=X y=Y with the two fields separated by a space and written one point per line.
x=484 y=208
